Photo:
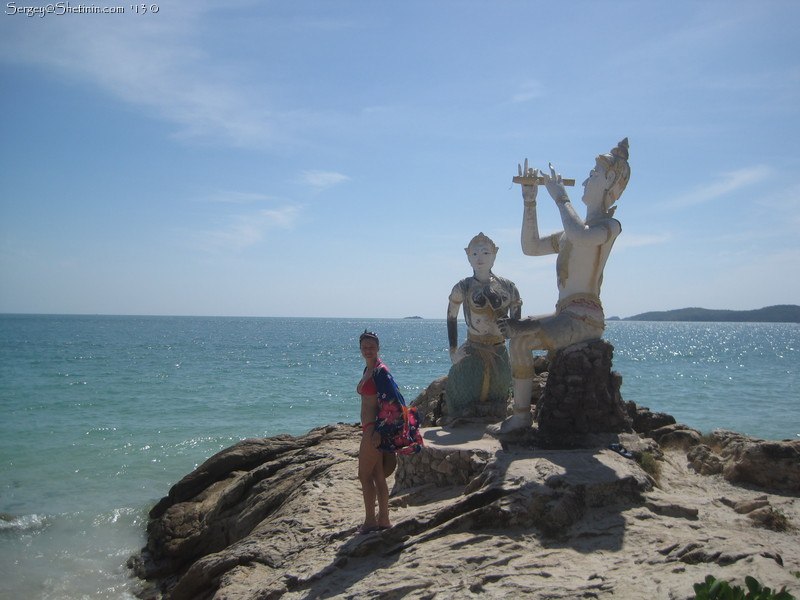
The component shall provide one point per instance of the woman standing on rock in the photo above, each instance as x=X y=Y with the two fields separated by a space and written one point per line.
x=388 y=427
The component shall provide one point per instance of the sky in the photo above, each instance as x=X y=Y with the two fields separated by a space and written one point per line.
x=320 y=158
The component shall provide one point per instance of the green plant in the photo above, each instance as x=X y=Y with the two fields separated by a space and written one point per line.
x=718 y=589
x=708 y=439
x=777 y=521
x=650 y=465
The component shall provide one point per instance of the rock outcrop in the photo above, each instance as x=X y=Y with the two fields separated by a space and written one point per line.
x=430 y=403
x=644 y=420
x=277 y=518
x=582 y=394
x=741 y=459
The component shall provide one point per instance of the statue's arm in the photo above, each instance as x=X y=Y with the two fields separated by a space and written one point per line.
x=581 y=234
x=575 y=228
x=453 y=306
x=452 y=327
x=532 y=243
x=516 y=311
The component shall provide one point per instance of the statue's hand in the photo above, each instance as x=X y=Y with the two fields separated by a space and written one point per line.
x=458 y=355
x=504 y=325
x=528 y=191
x=555 y=186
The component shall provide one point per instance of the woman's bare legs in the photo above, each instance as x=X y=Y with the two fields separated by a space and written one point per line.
x=373 y=485
x=382 y=492
x=389 y=463
x=369 y=459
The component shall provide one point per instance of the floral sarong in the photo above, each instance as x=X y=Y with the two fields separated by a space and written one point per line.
x=397 y=424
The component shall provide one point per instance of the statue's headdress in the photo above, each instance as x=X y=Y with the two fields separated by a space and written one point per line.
x=481 y=239
x=617 y=163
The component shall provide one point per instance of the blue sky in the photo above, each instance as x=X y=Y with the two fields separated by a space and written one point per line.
x=319 y=158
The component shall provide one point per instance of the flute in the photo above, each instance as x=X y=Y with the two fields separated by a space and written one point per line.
x=530 y=180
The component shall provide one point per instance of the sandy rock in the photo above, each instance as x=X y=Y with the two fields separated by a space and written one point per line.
x=703 y=460
x=430 y=403
x=644 y=420
x=276 y=518
x=639 y=446
x=741 y=459
x=747 y=506
x=769 y=464
x=676 y=436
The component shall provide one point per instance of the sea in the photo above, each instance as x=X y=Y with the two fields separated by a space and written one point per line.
x=100 y=415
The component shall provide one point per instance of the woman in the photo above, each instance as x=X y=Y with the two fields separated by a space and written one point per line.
x=388 y=427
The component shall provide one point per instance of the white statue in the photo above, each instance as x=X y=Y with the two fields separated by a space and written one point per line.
x=583 y=248
x=480 y=371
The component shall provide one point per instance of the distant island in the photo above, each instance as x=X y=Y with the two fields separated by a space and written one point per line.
x=412 y=317
x=783 y=313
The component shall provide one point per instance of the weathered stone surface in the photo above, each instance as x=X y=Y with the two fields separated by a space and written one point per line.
x=644 y=421
x=582 y=393
x=430 y=403
x=768 y=464
x=227 y=497
x=276 y=518
x=761 y=511
x=703 y=460
x=676 y=436
x=772 y=465
x=452 y=457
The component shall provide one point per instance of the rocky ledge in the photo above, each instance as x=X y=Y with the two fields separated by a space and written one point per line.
x=645 y=518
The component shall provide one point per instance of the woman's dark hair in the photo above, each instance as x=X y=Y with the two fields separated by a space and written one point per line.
x=369 y=335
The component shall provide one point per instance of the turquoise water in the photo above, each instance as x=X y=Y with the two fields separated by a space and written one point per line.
x=102 y=414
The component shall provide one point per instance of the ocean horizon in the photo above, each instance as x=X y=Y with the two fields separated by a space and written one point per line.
x=104 y=413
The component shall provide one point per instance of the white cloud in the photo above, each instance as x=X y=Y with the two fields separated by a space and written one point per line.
x=727 y=183
x=323 y=179
x=153 y=62
x=531 y=90
x=233 y=197
x=245 y=231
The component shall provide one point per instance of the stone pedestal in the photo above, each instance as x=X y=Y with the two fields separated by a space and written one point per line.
x=451 y=456
x=582 y=394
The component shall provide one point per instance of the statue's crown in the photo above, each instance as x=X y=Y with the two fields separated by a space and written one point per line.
x=481 y=238
x=621 y=150
x=616 y=162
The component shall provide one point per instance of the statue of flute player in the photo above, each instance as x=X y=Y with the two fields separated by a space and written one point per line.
x=583 y=248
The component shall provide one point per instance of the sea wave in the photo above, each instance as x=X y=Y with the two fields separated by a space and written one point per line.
x=23 y=523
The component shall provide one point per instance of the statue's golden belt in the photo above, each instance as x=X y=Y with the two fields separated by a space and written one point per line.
x=486 y=340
